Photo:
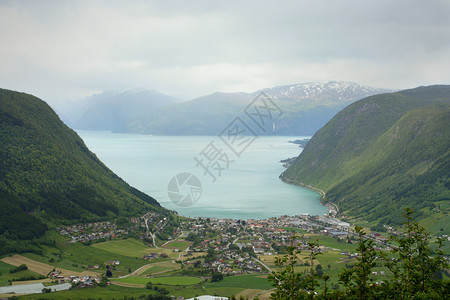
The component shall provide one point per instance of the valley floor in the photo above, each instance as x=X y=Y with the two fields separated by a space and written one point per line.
x=243 y=253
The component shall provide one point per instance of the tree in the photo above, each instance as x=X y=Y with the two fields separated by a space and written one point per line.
x=314 y=250
x=287 y=282
x=325 y=279
x=103 y=281
x=414 y=267
x=217 y=277
x=357 y=279
x=319 y=270
x=290 y=284
x=108 y=273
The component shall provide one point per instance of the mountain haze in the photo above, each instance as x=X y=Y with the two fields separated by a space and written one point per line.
x=110 y=110
x=306 y=107
x=382 y=153
x=48 y=176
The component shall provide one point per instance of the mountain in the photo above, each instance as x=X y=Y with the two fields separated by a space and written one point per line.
x=48 y=176
x=206 y=115
x=383 y=153
x=306 y=107
x=110 y=110
x=332 y=92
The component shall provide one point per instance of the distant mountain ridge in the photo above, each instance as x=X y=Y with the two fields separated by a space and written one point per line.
x=306 y=107
x=110 y=110
x=382 y=153
x=48 y=176
x=332 y=90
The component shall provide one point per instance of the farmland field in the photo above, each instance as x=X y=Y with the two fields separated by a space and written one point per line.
x=158 y=268
x=129 y=247
x=41 y=268
x=178 y=244
x=270 y=259
x=172 y=280
x=77 y=257
x=5 y=275
x=243 y=281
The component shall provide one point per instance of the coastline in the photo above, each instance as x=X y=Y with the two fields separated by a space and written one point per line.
x=309 y=187
x=333 y=209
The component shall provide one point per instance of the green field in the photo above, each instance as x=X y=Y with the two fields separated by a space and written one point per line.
x=116 y=292
x=242 y=281
x=172 y=280
x=178 y=244
x=129 y=247
x=160 y=268
x=76 y=256
x=5 y=275
x=328 y=241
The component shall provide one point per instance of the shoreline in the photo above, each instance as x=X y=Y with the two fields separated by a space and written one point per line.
x=333 y=209
x=309 y=187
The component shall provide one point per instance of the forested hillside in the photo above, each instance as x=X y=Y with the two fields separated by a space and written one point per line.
x=382 y=153
x=49 y=177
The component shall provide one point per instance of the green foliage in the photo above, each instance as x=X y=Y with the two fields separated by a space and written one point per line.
x=22 y=267
x=103 y=281
x=381 y=154
x=414 y=267
x=378 y=227
x=413 y=264
x=161 y=290
x=290 y=284
x=216 y=277
x=357 y=279
x=241 y=281
x=49 y=176
x=28 y=277
x=108 y=273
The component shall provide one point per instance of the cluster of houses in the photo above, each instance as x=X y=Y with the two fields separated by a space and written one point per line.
x=84 y=281
x=231 y=262
x=154 y=255
x=261 y=235
x=91 y=231
x=113 y=262
x=105 y=230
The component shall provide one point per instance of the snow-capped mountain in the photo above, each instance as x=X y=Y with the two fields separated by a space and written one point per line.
x=336 y=91
x=306 y=108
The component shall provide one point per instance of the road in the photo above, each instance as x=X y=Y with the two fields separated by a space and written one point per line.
x=149 y=232
x=263 y=264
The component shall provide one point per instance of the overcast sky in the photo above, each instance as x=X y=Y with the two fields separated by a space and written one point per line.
x=60 y=50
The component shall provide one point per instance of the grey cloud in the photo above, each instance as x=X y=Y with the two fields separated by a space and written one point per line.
x=62 y=49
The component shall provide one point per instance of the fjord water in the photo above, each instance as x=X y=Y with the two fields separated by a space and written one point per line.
x=249 y=189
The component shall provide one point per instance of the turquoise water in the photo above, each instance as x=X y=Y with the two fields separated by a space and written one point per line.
x=248 y=189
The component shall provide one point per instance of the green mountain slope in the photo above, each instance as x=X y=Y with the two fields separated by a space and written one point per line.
x=382 y=153
x=49 y=176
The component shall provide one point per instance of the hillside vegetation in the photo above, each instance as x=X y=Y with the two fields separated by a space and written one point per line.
x=49 y=177
x=382 y=153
